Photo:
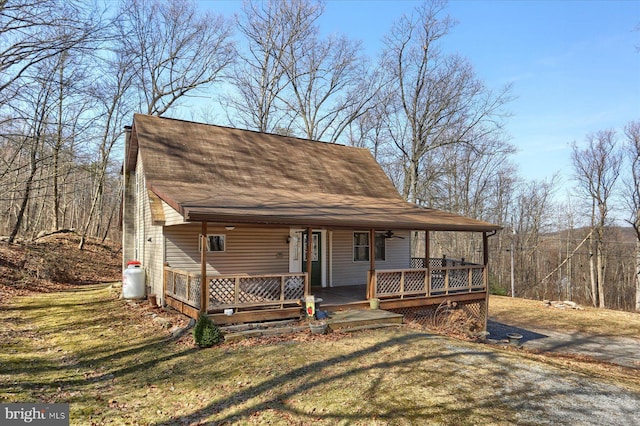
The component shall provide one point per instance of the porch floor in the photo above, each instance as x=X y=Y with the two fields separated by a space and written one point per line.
x=342 y=295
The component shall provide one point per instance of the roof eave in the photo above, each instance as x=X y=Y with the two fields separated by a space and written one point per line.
x=195 y=215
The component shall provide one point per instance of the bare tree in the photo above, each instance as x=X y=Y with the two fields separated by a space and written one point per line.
x=35 y=30
x=291 y=80
x=632 y=193
x=113 y=109
x=175 y=49
x=439 y=101
x=34 y=106
x=597 y=168
x=330 y=86
x=69 y=120
x=259 y=76
x=530 y=221
x=468 y=177
x=369 y=129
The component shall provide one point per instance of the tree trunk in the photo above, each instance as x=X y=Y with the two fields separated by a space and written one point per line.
x=592 y=274
x=600 y=261
x=27 y=192
x=58 y=147
x=409 y=192
x=638 y=276
x=637 y=229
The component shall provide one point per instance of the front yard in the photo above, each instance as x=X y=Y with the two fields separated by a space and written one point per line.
x=114 y=365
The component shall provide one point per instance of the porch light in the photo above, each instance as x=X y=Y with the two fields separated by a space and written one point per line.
x=230 y=227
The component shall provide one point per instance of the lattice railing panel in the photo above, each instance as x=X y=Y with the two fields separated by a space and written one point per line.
x=477 y=278
x=194 y=290
x=414 y=281
x=435 y=262
x=180 y=285
x=437 y=280
x=236 y=291
x=168 y=277
x=417 y=263
x=259 y=289
x=294 y=287
x=221 y=291
x=458 y=278
x=388 y=282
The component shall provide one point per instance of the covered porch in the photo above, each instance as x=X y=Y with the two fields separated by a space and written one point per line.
x=410 y=286
x=241 y=297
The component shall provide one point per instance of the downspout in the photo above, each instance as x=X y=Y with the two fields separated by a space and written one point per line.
x=485 y=274
x=427 y=264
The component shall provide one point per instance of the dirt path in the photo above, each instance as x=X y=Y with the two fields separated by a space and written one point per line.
x=623 y=351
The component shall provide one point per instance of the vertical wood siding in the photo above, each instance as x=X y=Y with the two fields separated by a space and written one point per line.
x=247 y=250
x=348 y=272
x=171 y=217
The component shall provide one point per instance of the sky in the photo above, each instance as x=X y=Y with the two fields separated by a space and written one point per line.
x=574 y=65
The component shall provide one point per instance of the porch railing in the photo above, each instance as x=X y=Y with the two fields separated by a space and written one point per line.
x=443 y=277
x=236 y=291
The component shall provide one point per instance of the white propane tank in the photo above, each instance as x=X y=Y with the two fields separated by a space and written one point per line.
x=133 y=281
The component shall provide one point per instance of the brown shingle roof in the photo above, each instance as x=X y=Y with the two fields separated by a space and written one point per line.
x=221 y=174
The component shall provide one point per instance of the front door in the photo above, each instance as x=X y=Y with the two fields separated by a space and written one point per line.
x=316 y=263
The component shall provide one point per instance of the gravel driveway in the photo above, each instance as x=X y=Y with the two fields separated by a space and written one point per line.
x=618 y=350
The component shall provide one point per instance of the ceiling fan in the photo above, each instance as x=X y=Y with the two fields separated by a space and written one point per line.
x=389 y=234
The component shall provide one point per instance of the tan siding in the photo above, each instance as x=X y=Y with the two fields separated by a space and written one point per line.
x=150 y=241
x=248 y=250
x=348 y=272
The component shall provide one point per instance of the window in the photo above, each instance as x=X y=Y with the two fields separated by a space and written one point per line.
x=361 y=246
x=215 y=242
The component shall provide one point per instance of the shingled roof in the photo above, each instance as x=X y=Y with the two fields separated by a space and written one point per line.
x=225 y=175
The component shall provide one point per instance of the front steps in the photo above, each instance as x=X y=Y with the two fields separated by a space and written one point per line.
x=362 y=319
x=346 y=321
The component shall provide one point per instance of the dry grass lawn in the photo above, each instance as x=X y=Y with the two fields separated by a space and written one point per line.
x=524 y=312
x=115 y=366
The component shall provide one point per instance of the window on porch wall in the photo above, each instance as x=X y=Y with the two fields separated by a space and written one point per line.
x=361 y=246
x=215 y=242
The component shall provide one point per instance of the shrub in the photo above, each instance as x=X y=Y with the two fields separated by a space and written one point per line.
x=205 y=332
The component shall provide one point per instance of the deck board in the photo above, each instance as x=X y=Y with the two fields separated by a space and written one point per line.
x=361 y=317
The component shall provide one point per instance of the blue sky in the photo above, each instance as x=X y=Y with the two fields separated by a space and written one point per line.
x=574 y=65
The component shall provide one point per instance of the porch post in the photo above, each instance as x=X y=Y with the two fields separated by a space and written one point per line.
x=204 y=294
x=485 y=275
x=372 y=263
x=427 y=264
x=309 y=251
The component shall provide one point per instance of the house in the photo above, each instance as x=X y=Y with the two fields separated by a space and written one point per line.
x=236 y=207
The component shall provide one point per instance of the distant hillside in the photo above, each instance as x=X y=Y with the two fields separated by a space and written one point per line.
x=622 y=234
